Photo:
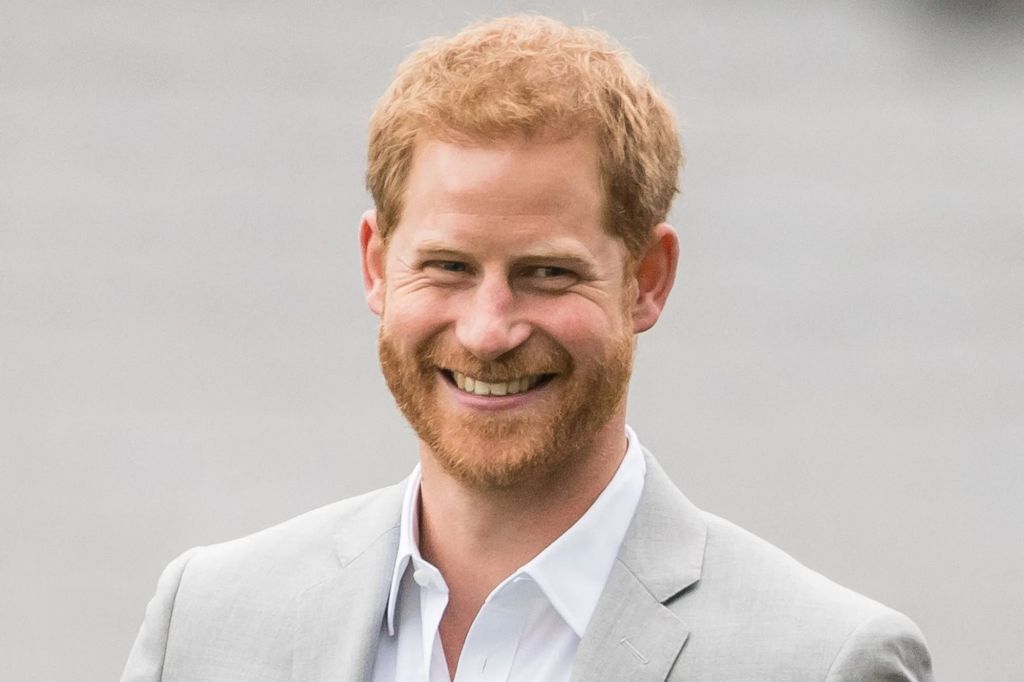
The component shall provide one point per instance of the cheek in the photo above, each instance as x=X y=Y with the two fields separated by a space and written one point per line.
x=409 y=318
x=583 y=329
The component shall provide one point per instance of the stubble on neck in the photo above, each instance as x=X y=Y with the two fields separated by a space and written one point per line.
x=481 y=536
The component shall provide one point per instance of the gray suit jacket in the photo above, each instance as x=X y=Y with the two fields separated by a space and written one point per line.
x=691 y=597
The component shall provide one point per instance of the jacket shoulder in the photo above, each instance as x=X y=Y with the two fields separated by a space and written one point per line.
x=227 y=611
x=759 y=575
x=785 y=620
x=296 y=553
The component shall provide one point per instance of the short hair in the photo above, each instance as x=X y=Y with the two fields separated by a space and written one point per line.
x=528 y=75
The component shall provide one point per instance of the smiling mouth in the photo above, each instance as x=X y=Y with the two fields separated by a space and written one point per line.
x=468 y=384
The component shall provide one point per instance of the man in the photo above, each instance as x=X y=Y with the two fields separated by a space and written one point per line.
x=522 y=172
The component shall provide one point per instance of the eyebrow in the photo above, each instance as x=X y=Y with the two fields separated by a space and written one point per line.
x=438 y=250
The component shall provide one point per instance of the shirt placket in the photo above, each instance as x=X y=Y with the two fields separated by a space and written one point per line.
x=496 y=632
x=433 y=593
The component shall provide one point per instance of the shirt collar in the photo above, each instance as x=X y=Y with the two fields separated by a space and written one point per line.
x=572 y=570
x=408 y=541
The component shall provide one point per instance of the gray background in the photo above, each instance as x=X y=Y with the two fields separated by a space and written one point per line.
x=186 y=357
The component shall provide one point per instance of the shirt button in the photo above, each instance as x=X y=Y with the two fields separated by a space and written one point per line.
x=421 y=576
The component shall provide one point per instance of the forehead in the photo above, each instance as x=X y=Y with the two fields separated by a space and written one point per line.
x=543 y=177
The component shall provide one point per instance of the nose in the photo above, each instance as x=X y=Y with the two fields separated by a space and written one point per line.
x=490 y=325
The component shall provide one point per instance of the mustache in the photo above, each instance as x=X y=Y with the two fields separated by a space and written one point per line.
x=537 y=356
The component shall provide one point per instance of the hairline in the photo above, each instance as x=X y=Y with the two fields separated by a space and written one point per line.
x=556 y=131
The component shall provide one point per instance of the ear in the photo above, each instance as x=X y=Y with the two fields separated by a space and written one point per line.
x=371 y=245
x=654 y=275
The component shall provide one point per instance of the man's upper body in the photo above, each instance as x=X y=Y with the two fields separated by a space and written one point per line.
x=522 y=172
x=689 y=597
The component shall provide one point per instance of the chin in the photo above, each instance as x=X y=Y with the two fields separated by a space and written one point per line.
x=501 y=456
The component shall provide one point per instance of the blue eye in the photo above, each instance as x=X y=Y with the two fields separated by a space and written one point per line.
x=451 y=266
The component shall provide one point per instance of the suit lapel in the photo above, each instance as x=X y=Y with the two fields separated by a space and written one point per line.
x=338 y=620
x=632 y=634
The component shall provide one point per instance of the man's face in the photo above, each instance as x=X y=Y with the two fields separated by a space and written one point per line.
x=506 y=335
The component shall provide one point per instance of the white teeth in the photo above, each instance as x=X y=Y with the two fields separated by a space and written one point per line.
x=471 y=385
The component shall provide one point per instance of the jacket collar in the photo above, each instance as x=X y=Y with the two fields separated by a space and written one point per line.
x=338 y=620
x=664 y=547
x=633 y=635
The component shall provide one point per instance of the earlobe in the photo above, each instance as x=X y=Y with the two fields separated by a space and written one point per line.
x=655 y=274
x=371 y=246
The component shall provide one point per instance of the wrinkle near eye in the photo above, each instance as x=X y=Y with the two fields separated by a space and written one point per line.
x=410 y=282
x=596 y=291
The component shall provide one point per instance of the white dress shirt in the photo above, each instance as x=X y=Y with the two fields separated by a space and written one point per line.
x=530 y=625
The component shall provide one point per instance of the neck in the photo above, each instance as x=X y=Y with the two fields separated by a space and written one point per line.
x=478 y=537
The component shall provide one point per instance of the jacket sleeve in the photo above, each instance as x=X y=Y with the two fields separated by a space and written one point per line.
x=146 y=660
x=887 y=647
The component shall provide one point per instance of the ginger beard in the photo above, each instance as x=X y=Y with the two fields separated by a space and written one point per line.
x=503 y=449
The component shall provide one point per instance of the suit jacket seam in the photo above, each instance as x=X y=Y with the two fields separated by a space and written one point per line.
x=174 y=602
x=349 y=560
x=847 y=643
x=637 y=578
